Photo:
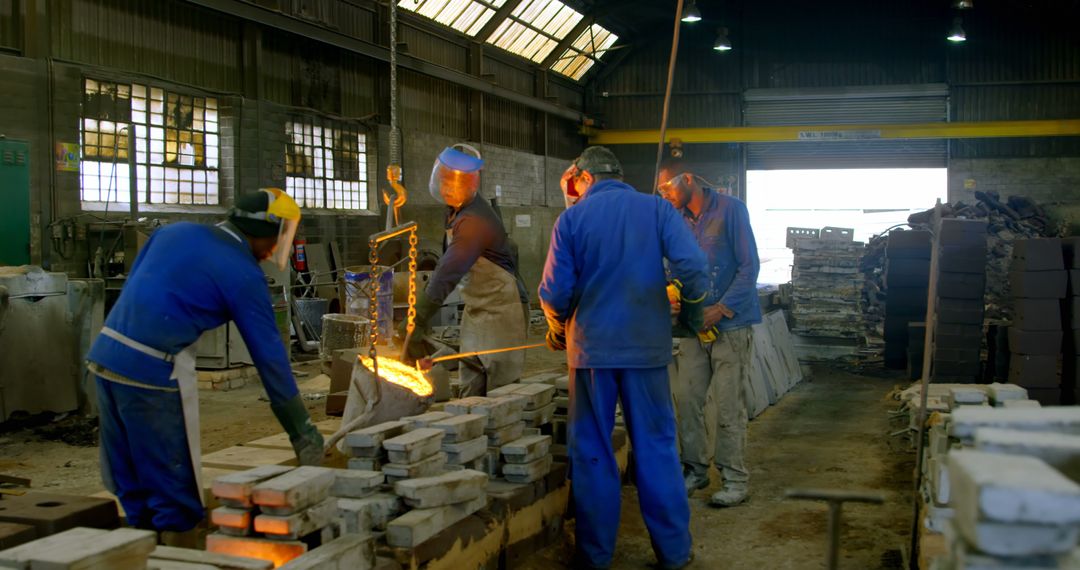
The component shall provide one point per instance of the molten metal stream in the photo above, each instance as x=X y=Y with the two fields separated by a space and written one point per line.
x=401 y=374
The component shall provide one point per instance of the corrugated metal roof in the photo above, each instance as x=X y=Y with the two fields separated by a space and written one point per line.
x=171 y=40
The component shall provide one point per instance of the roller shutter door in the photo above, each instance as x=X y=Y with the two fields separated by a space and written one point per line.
x=847 y=106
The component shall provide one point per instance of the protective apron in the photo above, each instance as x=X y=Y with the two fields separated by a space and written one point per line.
x=183 y=372
x=493 y=318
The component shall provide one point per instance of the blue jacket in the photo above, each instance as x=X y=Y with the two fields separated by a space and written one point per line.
x=604 y=277
x=723 y=232
x=190 y=278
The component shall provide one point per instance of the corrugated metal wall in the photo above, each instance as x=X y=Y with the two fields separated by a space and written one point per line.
x=563 y=139
x=178 y=42
x=9 y=36
x=429 y=47
x=1021 y=61
x=301 y=72
x=1016 y=68
x=515 y=77
x=171 y=40
x=509 y=124
x=432 y=105
x=358 y=86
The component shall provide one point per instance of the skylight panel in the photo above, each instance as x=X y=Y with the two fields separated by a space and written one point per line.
x=535 y=27
x=467 y=16
x=584 y=52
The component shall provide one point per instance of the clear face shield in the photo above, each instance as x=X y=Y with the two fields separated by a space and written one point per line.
x=283 y=248
x=455 y=176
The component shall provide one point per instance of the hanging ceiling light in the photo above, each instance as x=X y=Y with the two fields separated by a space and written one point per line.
x=956 y=33
x=690 y=13
x=964 y=4
x=722 y=42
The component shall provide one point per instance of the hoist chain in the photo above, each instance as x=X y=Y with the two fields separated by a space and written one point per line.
x=411 y=314
x=373 y=300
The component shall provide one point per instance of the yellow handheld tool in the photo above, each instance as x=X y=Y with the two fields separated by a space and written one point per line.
x=674 y=295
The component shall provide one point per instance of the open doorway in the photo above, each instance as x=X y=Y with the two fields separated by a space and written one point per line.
x=868 y=200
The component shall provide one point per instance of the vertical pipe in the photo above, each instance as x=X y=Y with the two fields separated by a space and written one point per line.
x=667 y=94
x=834 y=535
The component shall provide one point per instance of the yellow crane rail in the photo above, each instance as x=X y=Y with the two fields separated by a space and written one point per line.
x=982 y=129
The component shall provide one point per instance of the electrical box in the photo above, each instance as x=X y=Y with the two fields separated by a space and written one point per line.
x=15 y=196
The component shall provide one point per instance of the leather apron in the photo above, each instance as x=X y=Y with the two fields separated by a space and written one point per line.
x=493 y=318
x=183 y=372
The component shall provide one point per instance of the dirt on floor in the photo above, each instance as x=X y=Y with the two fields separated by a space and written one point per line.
x=830 y=432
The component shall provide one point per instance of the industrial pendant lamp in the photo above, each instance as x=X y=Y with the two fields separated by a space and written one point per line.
x=690 y=13
x=722 y=42
x=964 y=4
x=956 y=34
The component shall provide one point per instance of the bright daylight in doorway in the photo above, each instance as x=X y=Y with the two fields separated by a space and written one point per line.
x=868 y=200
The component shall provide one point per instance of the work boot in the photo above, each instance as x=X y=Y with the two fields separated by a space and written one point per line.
x=730 y=496
x=694 y=481
x=187 y=539
x=662 y=566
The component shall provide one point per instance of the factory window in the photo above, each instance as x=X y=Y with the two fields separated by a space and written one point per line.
x=326 y=164
x=586 y=50
x=535 y=28
x=168 y=139
x=466 y=16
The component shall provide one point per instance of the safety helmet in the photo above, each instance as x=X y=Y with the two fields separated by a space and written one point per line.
x=594 y=160
x=455 y=176
x=266 y=213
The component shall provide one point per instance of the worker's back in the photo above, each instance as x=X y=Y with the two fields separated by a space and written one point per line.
x=184 y=281
x=605 y=275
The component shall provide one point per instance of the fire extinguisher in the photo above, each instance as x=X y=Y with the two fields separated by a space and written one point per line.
x=299 y=257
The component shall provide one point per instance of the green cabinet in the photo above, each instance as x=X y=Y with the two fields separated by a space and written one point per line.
x=14 y=203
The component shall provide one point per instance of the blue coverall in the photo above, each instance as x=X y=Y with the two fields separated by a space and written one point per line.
x=723 y=232
x=188 y=278
x=604 y=279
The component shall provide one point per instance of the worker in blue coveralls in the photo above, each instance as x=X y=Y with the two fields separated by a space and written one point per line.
x=190 y=278
x=479 y=254
x=714 y=364
x=603 y=292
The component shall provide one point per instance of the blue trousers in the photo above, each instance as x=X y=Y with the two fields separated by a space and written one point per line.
x=145 y=458
x=650 y=419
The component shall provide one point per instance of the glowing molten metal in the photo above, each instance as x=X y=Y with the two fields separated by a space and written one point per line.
x=401 y=374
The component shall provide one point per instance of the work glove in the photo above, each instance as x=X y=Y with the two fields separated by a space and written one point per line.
x=306 y=440
x=691 y=319
x=556 y=334
x=556 y=341
x=425 y=310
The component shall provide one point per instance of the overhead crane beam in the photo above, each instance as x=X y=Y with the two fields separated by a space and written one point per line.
x=975 y=130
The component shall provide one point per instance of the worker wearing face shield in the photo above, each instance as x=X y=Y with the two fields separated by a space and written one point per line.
x=714 y=364
x=190 y=278
x=477 y=252
x=603 y=292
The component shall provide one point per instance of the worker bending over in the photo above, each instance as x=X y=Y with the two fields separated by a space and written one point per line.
x=477 y=250
x=604 y=295
x=188 y=279
x=714 y=366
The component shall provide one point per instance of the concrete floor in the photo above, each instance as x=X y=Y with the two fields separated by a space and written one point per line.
x=828 y=433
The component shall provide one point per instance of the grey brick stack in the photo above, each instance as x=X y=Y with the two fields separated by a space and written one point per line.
x=907 y=277
x=1038 y=282
x=961 y=285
